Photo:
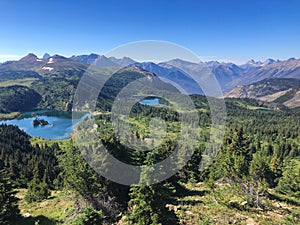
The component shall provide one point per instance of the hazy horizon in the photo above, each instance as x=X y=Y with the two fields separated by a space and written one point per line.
x=16 y=58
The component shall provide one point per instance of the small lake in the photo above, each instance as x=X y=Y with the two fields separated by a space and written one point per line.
x=152 y=101
x=61 y=123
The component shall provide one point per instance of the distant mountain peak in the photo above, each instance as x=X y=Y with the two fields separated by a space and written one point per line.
x=46 y=56
x=134 y=67
x=58 y=56
x=94 y=55
x=269 y=61
x=138 y=69
x=29 y=57
x=213 y=63
x=123 y=62
x=94 y=59
x=180 y=63
x=126 y=57
x=177 y=60
x=101 y=56
x=254 y=63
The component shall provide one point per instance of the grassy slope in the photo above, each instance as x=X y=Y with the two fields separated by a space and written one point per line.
x=8 y=116
x=200 y=206
x=22 y=82
x=40 y=141
x=55 y=210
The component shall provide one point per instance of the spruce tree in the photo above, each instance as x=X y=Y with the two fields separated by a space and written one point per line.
x=289 y=183
x=142 y=213
x=148 y=202
x=8 y=206
x=37 y=190
x=90 y=216
x=234 y=157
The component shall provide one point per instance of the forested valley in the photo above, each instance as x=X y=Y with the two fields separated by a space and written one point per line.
x=253 y=179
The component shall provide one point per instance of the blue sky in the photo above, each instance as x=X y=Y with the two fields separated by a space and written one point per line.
x=226 y=30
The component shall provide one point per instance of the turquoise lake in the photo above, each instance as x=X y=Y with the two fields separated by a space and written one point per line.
x=151 y=102
x=61 y=123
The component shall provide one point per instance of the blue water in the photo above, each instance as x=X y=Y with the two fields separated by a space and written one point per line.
x=151 y=102
x=61 y=124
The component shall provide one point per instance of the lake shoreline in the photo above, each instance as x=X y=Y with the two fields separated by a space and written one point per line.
x=61 y=123
x=9 y=116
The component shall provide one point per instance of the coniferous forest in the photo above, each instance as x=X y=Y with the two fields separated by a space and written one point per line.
x=254 y=177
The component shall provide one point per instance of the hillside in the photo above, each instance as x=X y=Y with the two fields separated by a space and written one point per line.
x=54 y=78
x=17 y=99
x=285 y=91
x=275 y=69
x=42 y=66
x=229 y=75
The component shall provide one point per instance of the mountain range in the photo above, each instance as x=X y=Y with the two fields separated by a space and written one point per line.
x=249 y=80
x=229 y=75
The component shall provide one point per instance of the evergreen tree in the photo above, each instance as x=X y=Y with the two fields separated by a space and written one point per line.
x=141 y=202
x=259 y=169
x=92 y=189
x=289 y=183
x=8 y=206
x=234 y=157
x=90 y=216
x=37 y=190
x=275 y=169
x=256 y=184
x=148 y=202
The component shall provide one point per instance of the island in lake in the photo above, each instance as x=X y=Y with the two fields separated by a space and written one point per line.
x=40 y=122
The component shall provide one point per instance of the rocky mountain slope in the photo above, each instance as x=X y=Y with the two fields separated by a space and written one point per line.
x=228 y=75
x=284 y=91
x=53 y=64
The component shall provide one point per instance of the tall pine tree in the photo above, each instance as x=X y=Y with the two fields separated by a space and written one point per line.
x=8 y=206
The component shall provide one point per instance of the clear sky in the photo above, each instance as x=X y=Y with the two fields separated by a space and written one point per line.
x=226 y=30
